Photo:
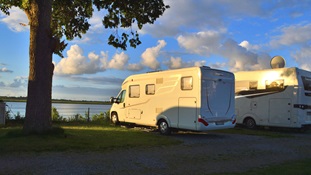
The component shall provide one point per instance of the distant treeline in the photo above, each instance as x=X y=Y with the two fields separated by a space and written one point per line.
x=24 y=99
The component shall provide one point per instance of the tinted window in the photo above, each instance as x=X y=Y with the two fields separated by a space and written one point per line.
x=306 y=83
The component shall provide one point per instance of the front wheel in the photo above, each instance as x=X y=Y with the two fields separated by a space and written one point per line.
x=114 y=119
x=250 y=123
x=164 y=128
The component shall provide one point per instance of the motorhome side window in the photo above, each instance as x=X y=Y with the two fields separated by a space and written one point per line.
x=253 y=85
x=186 y=83
x=306 y=83
x=150 y=89
x=274 y=84
x=134 y=91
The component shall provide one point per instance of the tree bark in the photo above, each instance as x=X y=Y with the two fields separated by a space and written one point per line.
x=38 y=108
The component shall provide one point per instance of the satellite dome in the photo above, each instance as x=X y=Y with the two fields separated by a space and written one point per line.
x=277 y=62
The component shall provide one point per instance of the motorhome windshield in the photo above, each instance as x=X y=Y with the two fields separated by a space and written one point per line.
x=121 y=96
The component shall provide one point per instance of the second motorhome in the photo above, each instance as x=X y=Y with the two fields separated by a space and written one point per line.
x=197 y=99
x=279 y=97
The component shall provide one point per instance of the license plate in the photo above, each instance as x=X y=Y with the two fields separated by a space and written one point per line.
x=219 y=123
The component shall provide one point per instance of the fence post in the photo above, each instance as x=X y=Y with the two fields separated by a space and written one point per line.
x=88 y=114
x=2 y=113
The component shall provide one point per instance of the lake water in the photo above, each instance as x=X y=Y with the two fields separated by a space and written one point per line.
x=65 y=110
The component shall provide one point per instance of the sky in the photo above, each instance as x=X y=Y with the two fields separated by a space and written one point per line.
x=231 y=35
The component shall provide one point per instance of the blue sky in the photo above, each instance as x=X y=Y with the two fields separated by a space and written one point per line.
x=232 y=35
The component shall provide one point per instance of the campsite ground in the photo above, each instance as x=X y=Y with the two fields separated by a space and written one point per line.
x=199 y=153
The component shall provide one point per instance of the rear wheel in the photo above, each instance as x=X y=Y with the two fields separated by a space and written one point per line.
x=114 y=119
x=164 y=128
x=250 y=123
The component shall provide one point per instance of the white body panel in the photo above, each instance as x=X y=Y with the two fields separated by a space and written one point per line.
x=274 y=97
x=180 y=97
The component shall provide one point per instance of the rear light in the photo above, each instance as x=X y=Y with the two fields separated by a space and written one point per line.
x=233 y=122
x=233 y=119
x=203 y=121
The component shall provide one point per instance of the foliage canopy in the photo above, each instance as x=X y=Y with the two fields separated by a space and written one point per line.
x=54 y=21
x=70 y=18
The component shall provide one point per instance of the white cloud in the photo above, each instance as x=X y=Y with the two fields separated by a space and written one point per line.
x=218 y=65
x=149 y=57
x=202 y=15
x=19 y=82
x=96 y=22
x=199 y=63
x=135 y=67
x=96 y=32
x=118 y=61
x=248 y=46
x=239 y=58
x=176 y=63
x=16 y=21
x=77 y=63
x=18 y=87
x=4 y=69
x=203 y=43
x=302 y=57
x=291 y=35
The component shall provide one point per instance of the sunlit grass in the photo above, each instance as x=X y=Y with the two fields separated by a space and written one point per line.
x=79 y=138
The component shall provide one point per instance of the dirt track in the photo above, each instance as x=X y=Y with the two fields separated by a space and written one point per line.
x=200 y=153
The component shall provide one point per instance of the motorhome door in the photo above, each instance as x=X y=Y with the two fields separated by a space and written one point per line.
x=187 y=113
x=120 y=105
x=279 y=111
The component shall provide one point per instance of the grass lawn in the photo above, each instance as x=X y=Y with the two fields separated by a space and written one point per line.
x=106 y=138
x=79 y=138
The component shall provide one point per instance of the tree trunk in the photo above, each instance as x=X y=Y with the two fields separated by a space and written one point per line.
x=38 y=108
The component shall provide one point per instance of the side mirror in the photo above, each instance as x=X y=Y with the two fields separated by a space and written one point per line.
x=112 y=100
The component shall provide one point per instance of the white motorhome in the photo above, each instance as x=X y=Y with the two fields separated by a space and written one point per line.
x=196 y=98
x=279 y=97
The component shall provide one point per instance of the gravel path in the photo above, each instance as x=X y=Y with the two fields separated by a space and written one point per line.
x=200 y=153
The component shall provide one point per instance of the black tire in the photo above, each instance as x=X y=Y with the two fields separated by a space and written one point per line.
x=250 y=123
x=163 y=127
x=114 y=119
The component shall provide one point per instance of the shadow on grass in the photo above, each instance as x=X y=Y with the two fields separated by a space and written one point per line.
x=79 y=138
x=18 y=132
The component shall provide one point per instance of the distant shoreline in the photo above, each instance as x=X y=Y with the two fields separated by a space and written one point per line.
x=24 y=99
